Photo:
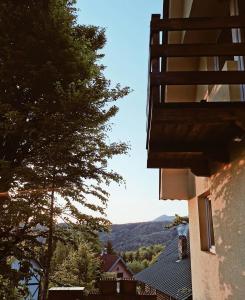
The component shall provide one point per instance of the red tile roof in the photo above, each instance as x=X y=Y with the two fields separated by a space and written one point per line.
x=108 y=260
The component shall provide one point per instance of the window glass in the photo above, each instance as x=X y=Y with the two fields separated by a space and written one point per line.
x=206 y=224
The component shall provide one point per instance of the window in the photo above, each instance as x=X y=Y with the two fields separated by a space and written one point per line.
x=206 y=224
x=120 y=275
x=210 y=227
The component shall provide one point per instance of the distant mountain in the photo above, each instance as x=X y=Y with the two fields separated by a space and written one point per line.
x=125 y=237
x=164 y=218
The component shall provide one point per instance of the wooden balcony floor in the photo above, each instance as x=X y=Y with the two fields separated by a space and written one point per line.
x=191 y=135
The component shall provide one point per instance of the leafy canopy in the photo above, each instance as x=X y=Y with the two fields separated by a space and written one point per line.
x=55 y=108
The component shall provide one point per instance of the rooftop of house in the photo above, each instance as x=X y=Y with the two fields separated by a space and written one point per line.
x=169 y=274
x=110 y=260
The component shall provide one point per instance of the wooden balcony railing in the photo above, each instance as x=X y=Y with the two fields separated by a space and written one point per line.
x=200 y=23
x=158 y=74
x=209 y=128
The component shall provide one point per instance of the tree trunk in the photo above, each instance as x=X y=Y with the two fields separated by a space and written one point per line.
x=44 y=292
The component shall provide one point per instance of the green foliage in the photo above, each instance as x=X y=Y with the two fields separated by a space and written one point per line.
x=109 y=248
x=177 y=221
x=55 y=107
x=144 y=253
x=75 y=266
x=61 y=252
x=10 y=286
x=136 y=266
x=108 y=275
x=143 y=257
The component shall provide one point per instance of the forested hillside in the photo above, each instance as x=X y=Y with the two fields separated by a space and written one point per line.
x=132 y=236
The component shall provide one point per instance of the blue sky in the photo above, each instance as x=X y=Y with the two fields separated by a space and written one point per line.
x=126 y=57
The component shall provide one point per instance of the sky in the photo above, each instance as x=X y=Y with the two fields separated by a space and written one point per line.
x=126 y=57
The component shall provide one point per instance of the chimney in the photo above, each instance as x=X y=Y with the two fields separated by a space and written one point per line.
x=182 y=242
x=182 y=247
x=104 y=251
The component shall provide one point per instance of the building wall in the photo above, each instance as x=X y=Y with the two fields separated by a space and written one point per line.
x=120 y=268
x=221 y=276
x=177 y=184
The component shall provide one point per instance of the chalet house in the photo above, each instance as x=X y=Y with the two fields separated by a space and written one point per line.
x=170 y=276
x=115 y=264
x=196 y=133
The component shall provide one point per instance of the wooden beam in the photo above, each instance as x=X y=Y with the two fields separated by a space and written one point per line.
x=201 y=171
x=198 y=77
x=208 y=23
x=218 y=153
x=199 y=112
x=165 y=10
x=4 y=196
x=185 y=147
x=171 y=163
x=197 y=50
x=200 y=167
x=155 y=64
x=165 y=34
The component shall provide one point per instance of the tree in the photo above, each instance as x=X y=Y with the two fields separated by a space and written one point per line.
x=61 y=252
x=109 y=248
x=130 y=256
x=145 y=263
x=10 y=287
x=136 y=266
x=79 y=268
x=143 y=257
x=55 y=105
x=137 y=255
x=177 y=221
x=124 y=257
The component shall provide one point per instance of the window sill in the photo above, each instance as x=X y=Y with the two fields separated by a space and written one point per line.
x=210 y=251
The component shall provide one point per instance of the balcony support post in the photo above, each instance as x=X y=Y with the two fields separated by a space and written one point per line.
x=155 y=64
x=164 y=42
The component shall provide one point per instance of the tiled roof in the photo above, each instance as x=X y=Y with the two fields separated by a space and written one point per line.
x=169 y=275
x=108 y=260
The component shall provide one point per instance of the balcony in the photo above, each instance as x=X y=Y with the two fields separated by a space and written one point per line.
x=196 y=134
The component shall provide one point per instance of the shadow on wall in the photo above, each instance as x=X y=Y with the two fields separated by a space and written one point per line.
x=228 y=193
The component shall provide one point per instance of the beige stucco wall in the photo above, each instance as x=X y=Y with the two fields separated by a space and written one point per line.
x=204 y=266
x=218 y=92
x=180 y=8
x=221 y=276
x=177 y=184
x=226 y=92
